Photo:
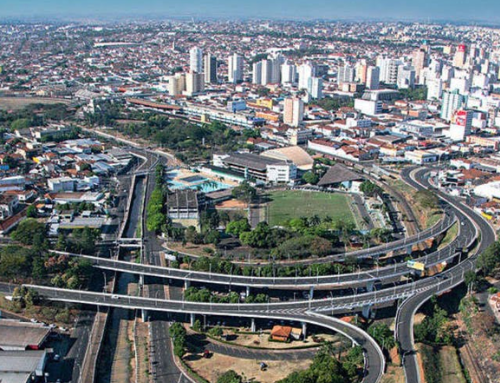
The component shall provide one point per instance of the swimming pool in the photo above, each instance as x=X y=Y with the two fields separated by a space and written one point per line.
x=205 y=187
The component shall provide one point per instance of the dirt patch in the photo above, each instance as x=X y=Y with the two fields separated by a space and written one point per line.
x=394 y=374
x=217 y=364
x=231 y=205
x=451 y=368
x=16 y=103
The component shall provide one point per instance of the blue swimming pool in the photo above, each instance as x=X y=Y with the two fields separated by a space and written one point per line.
x=206 y=187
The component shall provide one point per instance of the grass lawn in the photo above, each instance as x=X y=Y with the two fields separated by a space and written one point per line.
x=285 y=205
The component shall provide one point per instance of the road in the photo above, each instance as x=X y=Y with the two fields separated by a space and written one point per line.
x=407 y=310
x=292 y=310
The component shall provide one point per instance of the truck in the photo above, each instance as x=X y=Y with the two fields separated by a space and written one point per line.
x=414 y=265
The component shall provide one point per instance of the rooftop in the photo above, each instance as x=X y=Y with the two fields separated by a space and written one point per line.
x=338 y=174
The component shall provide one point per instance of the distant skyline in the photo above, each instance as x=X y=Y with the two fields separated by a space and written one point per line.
x=452 y=10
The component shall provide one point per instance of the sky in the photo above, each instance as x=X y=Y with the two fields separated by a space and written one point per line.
x=455 y=10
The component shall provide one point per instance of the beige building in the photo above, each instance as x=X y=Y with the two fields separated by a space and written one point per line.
x=293 y=113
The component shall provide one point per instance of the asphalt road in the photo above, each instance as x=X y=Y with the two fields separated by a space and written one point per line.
x=454 y=277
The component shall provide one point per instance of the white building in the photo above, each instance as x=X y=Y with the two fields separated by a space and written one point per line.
x=257 y=73
x=346 y=73
x=316 y=87
x=235 y=68
x=452 y=101
x=306 y=71
x=281 y=173
x=368 y=107
x=461 y=125
x=61 y=184
x=372 y=77
x=406 y=77
x=288 y=73
x=196 y=60
x=434 y=89
x=420 y=157
x=490 y=190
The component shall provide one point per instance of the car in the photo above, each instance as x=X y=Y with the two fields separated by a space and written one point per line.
x=57 y=358
x=114 y=296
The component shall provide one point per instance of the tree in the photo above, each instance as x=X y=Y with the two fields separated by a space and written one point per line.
x=212 y=237
x=310 y=178
x=244 y=192
x=382 y=335
x=237 y=227
x=489 y=259
x=216 y=332
x=230 y=377
x=370 y=189
x=27 y=229
x=31 y=211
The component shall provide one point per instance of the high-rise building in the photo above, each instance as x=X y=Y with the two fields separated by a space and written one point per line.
x=195 y=83
x=361 y=72
x=460 y=56
x=452 y=101
x=288 y=73
x=461 y=125
x=372 y=78
x=267 y=72
x=293 y=113
x=196 y=60
x=388 y=70
x=315 y=88
x=346 y=73
x=210 y=69
x=177 y=84
x=434 y=89
x=235 y=68
x=257 y=73
x=306 y=71
x=277 y=60
x=419 y=62
x=406 y=77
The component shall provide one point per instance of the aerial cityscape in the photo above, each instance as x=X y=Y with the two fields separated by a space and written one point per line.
x=272 y=192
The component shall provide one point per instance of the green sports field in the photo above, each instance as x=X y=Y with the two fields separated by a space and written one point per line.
x=285 y=205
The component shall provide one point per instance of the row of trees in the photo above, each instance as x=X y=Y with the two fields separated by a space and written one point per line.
x=194 y=294
x=156 y=217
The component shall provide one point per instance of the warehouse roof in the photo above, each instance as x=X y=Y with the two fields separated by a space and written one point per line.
x=20 y=335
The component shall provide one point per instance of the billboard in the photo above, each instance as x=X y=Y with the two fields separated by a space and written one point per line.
x=460 y=118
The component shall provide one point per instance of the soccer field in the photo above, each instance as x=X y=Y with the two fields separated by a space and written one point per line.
x=285 y=205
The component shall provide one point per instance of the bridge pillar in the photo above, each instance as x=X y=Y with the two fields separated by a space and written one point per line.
x=248 y=291
x=311 y=292
x=144 y=315
x=141 y=280
x=304 y=330
x=192 y=318
x=253 y=328
x=369 y=286
x=187 y=284
x=367 y=309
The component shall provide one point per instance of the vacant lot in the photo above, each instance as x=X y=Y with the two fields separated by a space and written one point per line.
x=217 y=364
x=285 y=205
x=16 y=103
